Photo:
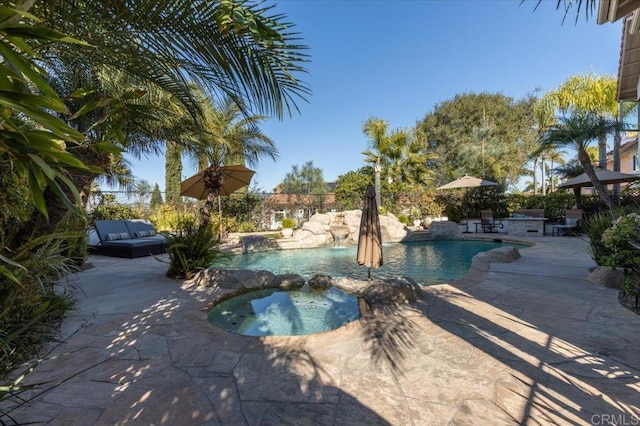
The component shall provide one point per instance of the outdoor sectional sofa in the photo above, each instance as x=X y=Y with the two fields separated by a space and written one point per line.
x=128 y=238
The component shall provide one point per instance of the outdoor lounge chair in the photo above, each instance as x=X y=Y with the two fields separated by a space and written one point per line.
x=488 y=222
x=116 y=239
x=142 y=229
x=570 y=225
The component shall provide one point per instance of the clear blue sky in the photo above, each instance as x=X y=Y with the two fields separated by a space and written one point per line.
x=396 y=60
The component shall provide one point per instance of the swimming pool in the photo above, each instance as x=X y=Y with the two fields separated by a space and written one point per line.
x=427 y=262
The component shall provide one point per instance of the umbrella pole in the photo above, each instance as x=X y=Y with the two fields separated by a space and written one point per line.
x=466 y=209
x=219 y=219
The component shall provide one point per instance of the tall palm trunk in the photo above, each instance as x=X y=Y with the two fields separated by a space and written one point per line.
x=583 y=157
x=535 y=176
x=173 y=172
x=602 y=152
x=551 y=183
x=206 y=210
x=213 y=179
x=616 y=165
x=577 y=194
x=377 y=169
x=543 y=177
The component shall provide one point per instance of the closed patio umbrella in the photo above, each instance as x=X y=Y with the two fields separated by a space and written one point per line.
x=370 y=235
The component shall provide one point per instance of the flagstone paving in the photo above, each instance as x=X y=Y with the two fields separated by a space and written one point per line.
x=528 y=342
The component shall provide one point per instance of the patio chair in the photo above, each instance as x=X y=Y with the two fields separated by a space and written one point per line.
x=570 y=225
x=488 y=222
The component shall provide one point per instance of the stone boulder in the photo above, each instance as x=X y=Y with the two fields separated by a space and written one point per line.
x=321 y=218
x=288 y=281
x=234 y=278
x=393 y=230
x=392 y=291
x=313 y=234
x=607 y=276
x=351 y=285
x=256 y=243
x=445 y=230
x=498 y=255
x=321 y=281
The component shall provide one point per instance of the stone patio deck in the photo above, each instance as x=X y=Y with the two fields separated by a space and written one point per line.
x=528 y=342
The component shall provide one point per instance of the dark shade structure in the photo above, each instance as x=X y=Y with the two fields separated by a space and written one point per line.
x=370 y=235
x=607 y=177
x=235 y=177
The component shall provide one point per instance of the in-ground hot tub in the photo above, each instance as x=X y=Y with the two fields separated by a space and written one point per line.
x=275 y=312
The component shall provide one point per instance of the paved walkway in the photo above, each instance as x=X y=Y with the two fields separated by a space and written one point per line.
x=530 y=342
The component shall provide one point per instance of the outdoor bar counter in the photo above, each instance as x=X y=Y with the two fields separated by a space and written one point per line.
x=529 y=226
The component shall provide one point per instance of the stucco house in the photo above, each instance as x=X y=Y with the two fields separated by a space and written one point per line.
x=628 y=157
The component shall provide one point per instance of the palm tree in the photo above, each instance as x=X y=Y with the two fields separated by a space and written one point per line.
x=570 y=169
x=544 y=117
x=555 y=157
x=228 y=47
x=376 y=129
x=594 y=94
x=229 y=137
x=173 y=46
x=578 y=130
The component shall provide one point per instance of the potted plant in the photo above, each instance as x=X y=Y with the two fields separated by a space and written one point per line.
x=287 y=226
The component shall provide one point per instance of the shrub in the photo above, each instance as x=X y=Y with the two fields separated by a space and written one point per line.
x=287 y=222
x=631 y=286
x=419 y=203
x=245 y=227
x=404 y=220
x=191 y=249
x=616 y=240
x=167 y=217
x=30 y=310
x=74 y=224
x=113 y=211
x=594 y=227
x=555 y=204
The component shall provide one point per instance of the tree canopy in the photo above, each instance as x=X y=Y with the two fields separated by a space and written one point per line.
x=304 y=180
x=485 y=135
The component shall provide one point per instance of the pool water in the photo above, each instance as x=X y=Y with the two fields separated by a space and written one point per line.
x=427 y=262
x=273 y=312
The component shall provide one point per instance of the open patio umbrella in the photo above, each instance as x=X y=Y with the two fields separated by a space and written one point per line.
x=370 y=236
x=235 y=177
x=607 y=177
x=467 y=181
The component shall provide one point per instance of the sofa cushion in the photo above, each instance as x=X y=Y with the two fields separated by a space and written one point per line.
x=571 y=221
x=112 y=236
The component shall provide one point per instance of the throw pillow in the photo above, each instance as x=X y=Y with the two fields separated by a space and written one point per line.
x=118 y=236
x=149 y=233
